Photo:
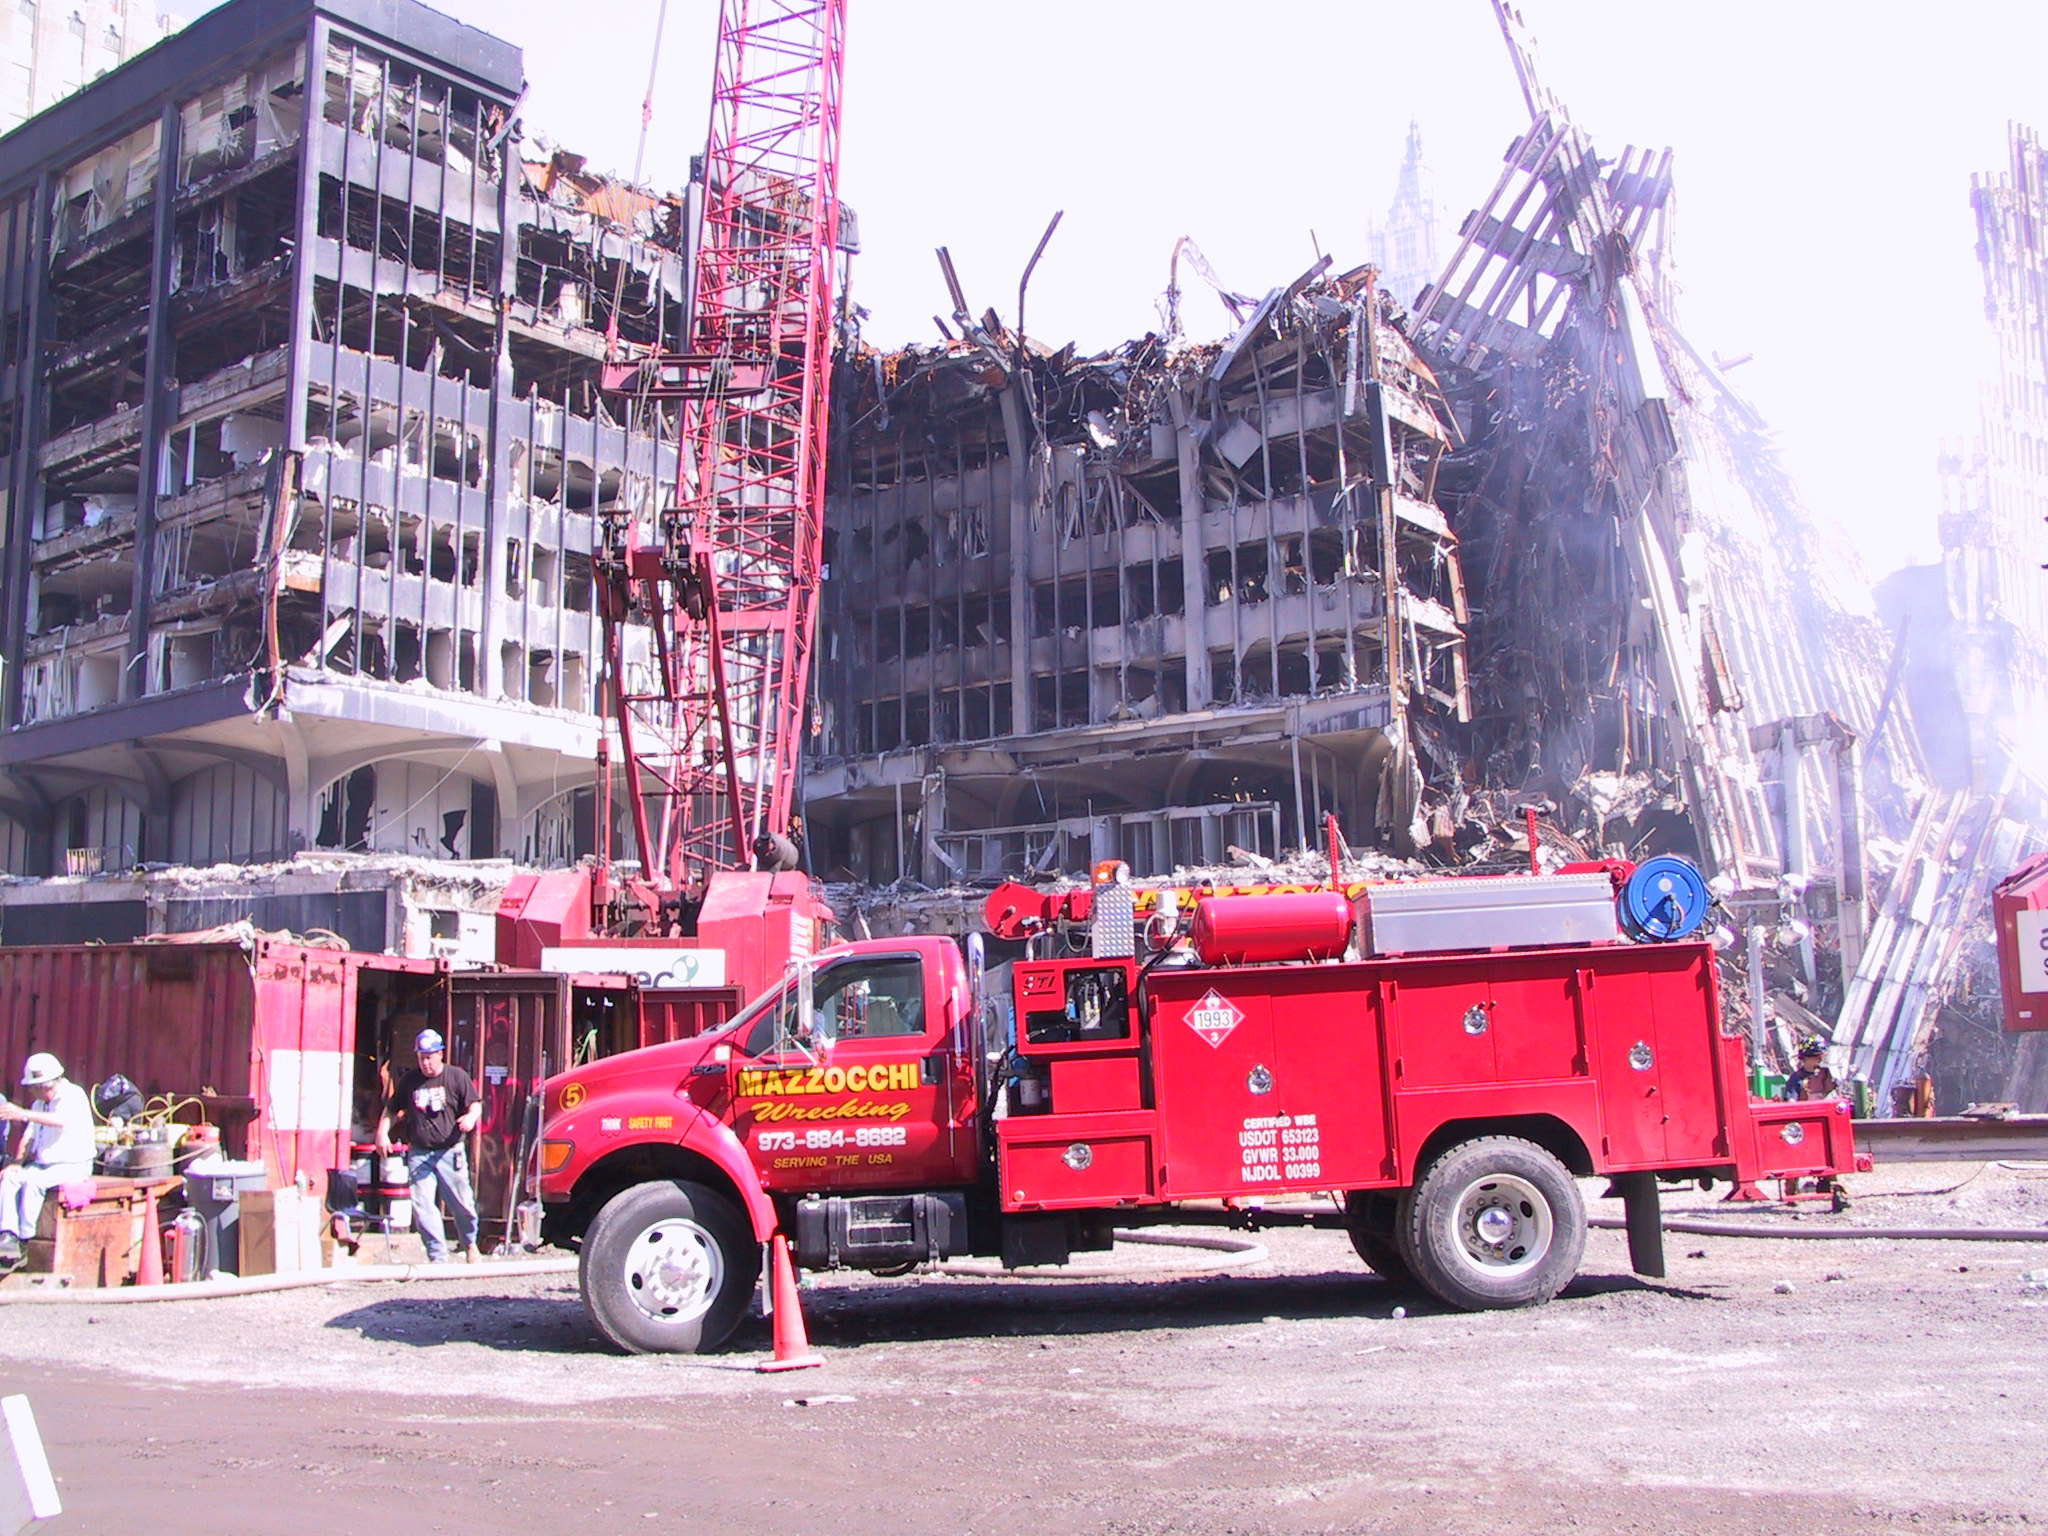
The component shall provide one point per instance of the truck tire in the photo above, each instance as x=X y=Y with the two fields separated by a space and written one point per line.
x=667 y=1268
x=1373 y=1219
x=1496 y=1223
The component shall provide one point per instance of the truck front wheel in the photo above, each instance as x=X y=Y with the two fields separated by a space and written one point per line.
x=667 y=1267
x=1496 y=1223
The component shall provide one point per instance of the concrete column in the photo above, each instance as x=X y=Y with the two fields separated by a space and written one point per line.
x=159 y=407
x=302 y=815
x=1851 y=912
x=931 y=821
x=512 y=807
x=1022 y=488
x=1790 y=762
x=1189 y=432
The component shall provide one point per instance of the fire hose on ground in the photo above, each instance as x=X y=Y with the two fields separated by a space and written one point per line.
x=1228 y=1253
x=1693 y=1228
x=258 y=1285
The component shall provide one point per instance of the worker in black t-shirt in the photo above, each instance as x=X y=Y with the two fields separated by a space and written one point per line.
x=439 y=1107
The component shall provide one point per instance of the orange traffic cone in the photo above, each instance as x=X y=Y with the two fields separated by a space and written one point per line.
x=151 y=1271
x=793 y=1350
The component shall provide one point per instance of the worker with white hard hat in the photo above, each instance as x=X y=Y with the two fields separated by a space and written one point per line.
x=56 y=1148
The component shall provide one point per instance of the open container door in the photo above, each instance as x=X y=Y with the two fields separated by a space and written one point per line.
x=508 y=1030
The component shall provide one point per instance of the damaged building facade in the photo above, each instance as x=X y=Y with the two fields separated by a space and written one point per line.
x=1149 y=605
x=306 y=468
x=1994 y=528
x=303 y=453
x=1140 y=606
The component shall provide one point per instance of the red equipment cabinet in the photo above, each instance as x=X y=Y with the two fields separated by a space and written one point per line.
x=1292 y=1078
x=2020 y=910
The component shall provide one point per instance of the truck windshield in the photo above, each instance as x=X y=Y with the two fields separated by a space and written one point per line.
x=744 y=1027
x=869 y=998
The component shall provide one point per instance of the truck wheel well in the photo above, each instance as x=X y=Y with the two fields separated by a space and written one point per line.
x=640 y=1164
x=1547 y=1131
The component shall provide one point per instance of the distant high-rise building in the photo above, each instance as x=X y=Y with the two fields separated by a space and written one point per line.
x=1407 y=248
x=49 y=48
x=1994 y=526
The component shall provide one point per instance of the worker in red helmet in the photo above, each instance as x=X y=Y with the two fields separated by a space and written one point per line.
x=55 y=1149
x=1811 y=1079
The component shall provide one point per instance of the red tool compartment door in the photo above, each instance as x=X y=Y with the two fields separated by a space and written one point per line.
x=1270 y=1079
x=1654 y=1029
x=1213 y=1065
x=1443 y=1022
x=1330 y=1065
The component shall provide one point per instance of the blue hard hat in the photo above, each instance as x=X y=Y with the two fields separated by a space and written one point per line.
x=428 y=1040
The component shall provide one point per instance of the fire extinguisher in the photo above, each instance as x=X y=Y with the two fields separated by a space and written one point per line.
x=182 y=1236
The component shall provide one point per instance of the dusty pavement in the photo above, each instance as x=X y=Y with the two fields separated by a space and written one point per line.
x=1894 y=1386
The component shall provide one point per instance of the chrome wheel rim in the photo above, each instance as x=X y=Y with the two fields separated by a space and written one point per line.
x=1501 y=1226
x=673 y=1271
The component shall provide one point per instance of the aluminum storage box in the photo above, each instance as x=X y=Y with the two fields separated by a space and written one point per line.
x=1490 y=912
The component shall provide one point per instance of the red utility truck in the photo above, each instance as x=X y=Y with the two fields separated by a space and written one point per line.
x=1430 y=1066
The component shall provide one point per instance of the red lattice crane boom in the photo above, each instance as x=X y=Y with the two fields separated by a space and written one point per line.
x=727 y=579
x=710 y=608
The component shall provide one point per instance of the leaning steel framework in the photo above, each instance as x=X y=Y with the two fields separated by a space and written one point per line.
x=728 y=576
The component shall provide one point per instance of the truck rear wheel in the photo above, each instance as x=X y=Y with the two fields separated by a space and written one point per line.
x=1496 y=1223
x=667 y=1268
x=1373 y=1219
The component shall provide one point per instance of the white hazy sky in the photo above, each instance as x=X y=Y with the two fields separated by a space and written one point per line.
x=1823 y=159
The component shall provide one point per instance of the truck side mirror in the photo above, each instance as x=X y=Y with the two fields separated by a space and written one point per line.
x=811 y=1032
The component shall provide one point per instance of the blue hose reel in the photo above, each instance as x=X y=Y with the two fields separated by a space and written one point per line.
x=1665 y=899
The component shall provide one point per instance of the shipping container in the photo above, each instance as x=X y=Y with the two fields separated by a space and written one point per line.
x=292 y=1050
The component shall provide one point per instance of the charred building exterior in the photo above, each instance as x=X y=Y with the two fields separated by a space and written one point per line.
x=1148 y=605
x=302 y=448
x=1994 y=527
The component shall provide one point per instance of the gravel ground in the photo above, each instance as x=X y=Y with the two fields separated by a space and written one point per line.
x=1764 y=1386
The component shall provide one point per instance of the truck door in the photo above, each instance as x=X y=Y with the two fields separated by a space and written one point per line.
x=871 y=1101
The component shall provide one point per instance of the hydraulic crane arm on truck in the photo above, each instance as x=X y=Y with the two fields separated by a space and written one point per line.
x=1440 y=1059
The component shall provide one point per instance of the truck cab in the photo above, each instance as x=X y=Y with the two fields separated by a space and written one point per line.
x=843 y=1106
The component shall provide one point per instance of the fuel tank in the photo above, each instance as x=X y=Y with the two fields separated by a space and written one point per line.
x=1260 y=930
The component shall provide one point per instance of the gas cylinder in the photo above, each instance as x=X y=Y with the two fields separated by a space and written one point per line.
x=182 y=1236
x=1260 y=930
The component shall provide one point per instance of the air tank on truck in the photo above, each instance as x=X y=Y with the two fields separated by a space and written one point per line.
x=1428 y=1067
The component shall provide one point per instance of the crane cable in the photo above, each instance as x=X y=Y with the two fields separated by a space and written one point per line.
x=611 y=329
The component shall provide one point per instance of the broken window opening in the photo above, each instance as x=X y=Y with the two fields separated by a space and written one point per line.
x=440 y=658
x=543 y=577
x=345 y=812
x=576 y=581
x=406 y=654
